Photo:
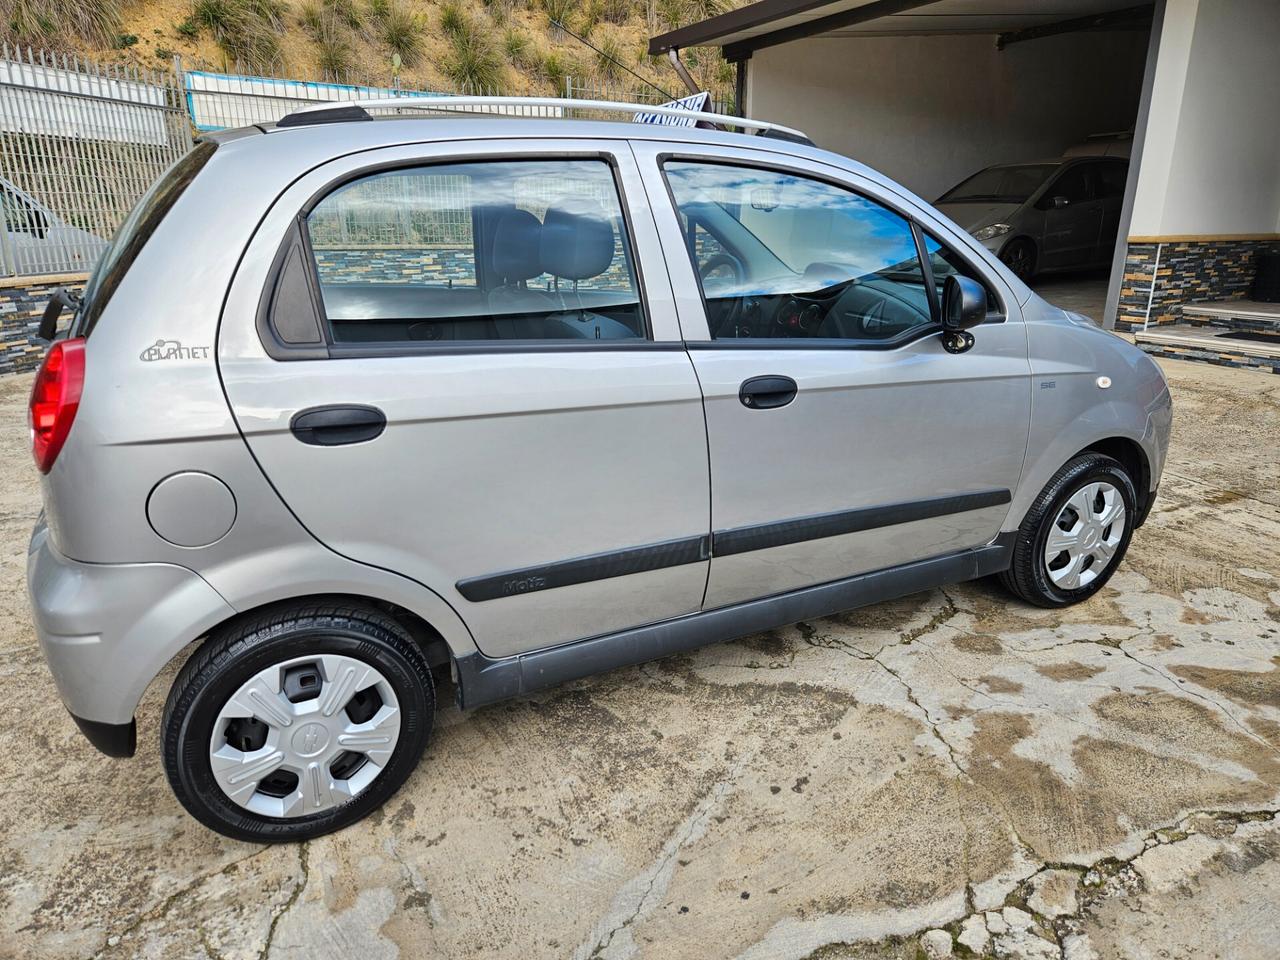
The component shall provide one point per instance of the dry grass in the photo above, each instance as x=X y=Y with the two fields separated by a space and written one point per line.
x=51 y=23
x=532 y=56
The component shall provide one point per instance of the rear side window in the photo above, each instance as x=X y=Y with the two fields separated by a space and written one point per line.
x=134 y=233
x=484 y=251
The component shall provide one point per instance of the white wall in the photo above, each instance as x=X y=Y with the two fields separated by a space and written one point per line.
x=929 y=111
x=1211 y=157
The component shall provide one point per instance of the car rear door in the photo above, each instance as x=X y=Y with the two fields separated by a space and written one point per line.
x=843 y=438
x=469 y=372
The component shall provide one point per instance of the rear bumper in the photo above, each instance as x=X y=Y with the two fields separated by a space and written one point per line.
x=106 y=630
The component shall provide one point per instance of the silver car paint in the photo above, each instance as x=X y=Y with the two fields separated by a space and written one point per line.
x=141 y=421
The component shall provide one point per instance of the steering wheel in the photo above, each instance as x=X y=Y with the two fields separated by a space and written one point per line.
x=730 y=308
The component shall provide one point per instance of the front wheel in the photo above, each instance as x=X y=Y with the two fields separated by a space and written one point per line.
x=1020 y=257
x=298 y=722
x=1075 y=533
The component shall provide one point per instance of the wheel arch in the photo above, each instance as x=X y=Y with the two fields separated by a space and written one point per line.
x=1133 y=458
x=1022 y=238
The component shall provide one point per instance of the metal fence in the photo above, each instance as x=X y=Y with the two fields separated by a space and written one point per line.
x=79 y=144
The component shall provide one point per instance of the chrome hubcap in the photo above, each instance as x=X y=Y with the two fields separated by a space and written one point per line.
x=1084 y=537
x=304 y=736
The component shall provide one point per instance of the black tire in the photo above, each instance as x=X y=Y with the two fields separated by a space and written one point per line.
x=1020 y=256
x=1028 y=576
x=232 y=656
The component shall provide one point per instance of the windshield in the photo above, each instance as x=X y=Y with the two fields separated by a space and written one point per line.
x=1001 y=184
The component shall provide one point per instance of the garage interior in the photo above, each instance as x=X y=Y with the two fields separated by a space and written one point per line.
x=929 y=93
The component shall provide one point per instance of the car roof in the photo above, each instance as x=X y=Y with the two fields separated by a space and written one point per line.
x=316 y=143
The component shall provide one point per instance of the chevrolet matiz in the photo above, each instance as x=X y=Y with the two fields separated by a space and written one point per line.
x=356 y=401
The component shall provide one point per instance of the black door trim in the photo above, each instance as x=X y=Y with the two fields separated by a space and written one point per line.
x=722 y=543
x=598 y=566
x=483 y=680
x=761 y=536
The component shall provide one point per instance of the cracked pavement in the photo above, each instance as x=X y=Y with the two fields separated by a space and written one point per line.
x=952 y=773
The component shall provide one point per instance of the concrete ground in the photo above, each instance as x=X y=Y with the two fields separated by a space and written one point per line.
x=949 y=772
x=1083 y=292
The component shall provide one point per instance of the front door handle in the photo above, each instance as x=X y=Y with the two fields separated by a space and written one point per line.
x=766 y=393
x=335 y=425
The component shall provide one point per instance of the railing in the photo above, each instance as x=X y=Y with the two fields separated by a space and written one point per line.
x=79 y=144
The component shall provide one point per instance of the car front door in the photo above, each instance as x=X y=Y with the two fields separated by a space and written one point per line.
x=459 y=375
x=843 y=437
x=1072 y=219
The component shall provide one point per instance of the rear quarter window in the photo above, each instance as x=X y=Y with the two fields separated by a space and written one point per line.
x=133 y=234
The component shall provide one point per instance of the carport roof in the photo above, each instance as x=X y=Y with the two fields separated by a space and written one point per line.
x=771 y=22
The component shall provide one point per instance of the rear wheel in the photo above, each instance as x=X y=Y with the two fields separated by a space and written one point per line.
x=298 y=722
x=1075 y=533
x=1020 y=257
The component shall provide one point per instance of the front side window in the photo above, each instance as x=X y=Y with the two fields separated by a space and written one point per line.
x=507 y=250
x=782 y=256
x=1074 y=186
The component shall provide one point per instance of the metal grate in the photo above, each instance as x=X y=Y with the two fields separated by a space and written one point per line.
x=80 y=143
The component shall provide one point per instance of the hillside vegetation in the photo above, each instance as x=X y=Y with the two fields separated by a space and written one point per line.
x=509 y=46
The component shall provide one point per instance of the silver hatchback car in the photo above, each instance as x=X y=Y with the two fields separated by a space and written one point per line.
x=350 y=403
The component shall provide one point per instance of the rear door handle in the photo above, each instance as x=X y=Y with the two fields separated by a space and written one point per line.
x=335 y=425
x=766 y=393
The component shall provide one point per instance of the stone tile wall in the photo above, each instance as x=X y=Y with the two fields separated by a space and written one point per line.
x=1183 y=271
x=22 y=301
x=1218 y=357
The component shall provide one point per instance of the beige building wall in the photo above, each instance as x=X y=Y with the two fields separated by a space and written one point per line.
x=929 y=111
x=1211 y=156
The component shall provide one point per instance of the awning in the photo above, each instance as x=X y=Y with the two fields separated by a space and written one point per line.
x=768 y=23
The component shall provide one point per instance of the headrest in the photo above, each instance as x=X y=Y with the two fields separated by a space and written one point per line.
x=576 y=241
x=515 y=246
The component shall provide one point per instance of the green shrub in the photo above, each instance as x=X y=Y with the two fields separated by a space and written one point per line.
x=472 y=64
x=165 y=54
x=312 y=19
x=53 y=21
x=378 y=10
x=453 y=22
x=246 y=31
x=188 y=29
x=559 y=10
x=518 y=48
x=401 y=31
x=125 y=40
x=555 y=67
x=609 y=57
x=346 y=12
x=334 y=55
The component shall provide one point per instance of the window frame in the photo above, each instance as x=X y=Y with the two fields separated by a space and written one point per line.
x=918 y=231
x=328 y=349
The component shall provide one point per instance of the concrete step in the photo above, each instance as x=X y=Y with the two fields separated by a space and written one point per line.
x=1233 y=314
x=1220 y=345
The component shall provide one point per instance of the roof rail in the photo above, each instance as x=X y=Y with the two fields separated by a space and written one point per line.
x=338 y=111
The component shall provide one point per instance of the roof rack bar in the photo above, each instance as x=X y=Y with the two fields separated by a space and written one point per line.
x=300 y=117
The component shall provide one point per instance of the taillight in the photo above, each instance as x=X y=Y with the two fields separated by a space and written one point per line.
x=55 y=398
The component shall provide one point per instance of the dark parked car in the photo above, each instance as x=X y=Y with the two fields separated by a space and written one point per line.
x=1043 y=216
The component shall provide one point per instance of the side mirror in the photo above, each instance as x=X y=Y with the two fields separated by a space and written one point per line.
x=1060 y=202
x=964 y=305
